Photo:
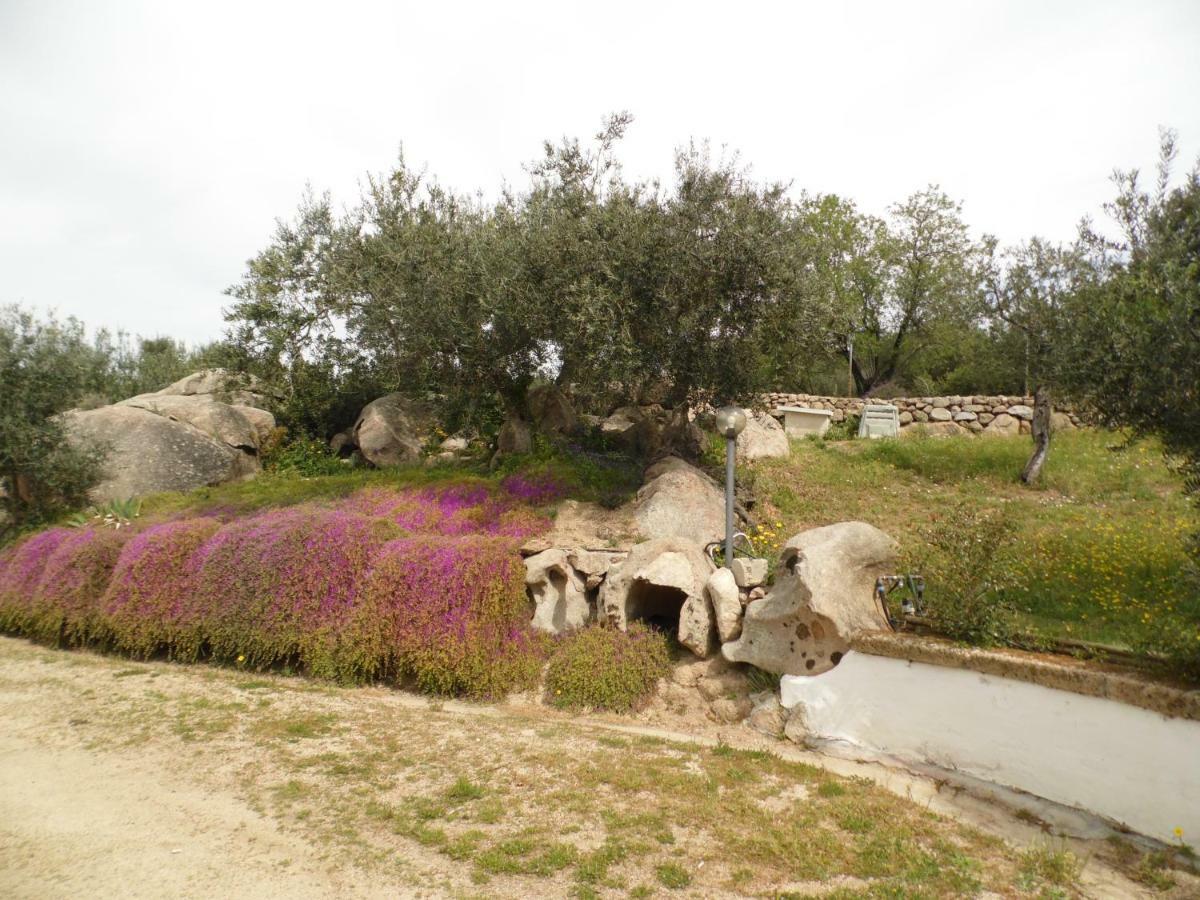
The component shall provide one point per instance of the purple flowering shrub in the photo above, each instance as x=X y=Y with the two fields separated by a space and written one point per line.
x=471 y=507
x=451 y=613
x=278 y=588
x=422 y=583
x=536 y=490
x=21 y=569
x=65 y=606
x=140 y=610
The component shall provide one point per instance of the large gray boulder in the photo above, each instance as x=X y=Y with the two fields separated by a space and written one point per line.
x=150 y=453
x=515 y=436
x=220 y=421
x=662 y=582
x=389 y=431
x=762 y=438
x=824 y=594
x=679 y=500
x=1004 y=425
x=226 y=386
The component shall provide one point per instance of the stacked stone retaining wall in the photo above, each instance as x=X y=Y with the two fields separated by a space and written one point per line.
x=991 y=414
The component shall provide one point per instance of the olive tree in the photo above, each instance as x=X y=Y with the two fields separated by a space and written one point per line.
x=45 y=367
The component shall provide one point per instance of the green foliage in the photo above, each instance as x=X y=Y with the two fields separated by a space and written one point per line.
x=967 y=574
x=603 y=668
x=673 y=876
x=1046 y=864
x=1131 y=349
x=45 y=366
x=300 y=456
x=584 y=276
x=115 y=514
x=607 y=478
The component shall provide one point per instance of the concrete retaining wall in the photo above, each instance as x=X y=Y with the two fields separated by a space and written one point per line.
x=1131 y=765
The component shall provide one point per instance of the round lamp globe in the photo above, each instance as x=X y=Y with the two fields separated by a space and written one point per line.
x=730 y=421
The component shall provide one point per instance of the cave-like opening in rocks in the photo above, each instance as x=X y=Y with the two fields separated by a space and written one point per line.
x=657 y=605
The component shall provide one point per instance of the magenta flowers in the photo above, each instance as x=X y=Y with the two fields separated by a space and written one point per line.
x=421 y=583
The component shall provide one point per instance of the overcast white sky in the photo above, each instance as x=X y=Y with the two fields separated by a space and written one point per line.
x=147 y=148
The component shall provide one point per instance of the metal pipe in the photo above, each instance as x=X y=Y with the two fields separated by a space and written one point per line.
x=730 y=454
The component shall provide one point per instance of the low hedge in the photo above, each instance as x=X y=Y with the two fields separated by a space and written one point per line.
x=451 y=613
x=603 y=668
x=424 y=584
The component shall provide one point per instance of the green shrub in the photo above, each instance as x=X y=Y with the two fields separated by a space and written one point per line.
x=603 y=668
x=1175 y=642
x=302 y=455
x=967 y=575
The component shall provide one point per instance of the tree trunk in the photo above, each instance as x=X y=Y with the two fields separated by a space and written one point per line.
x=1041 y=435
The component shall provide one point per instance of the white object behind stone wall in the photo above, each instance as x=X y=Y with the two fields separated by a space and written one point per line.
x=801 y=421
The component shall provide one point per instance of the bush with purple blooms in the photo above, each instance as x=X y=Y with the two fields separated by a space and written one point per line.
x=21 y=568
x=603 y=668
x=418 y=583
x=450 y=613
x=472 y=507
x=65 y=606
x=153 y=575
x=277 y=588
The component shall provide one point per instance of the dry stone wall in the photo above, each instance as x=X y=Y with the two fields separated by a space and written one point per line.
x=992 y=414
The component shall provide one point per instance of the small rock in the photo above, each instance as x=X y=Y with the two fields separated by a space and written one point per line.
x=939 y=414
x=767 y=716
x=454 y=444
x=756 y=594
x=749 y=573
x=697 y=625
x=727 y=604
x=731 y=710
x=794 y=728
x=1020 y=411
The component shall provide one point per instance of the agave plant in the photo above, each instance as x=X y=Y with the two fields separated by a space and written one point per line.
x=114 y=514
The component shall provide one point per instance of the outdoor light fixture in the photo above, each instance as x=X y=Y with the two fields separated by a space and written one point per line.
x=730 y=422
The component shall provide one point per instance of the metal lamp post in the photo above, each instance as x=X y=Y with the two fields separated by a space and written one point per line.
x=730 y=422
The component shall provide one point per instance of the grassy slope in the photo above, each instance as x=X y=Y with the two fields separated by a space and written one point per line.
x=1101 y=542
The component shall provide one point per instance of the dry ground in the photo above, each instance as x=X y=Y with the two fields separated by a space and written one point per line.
x=156 y=780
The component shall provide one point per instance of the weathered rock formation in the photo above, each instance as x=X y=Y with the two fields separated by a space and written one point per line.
x=148 y=453
x=662 y=582
x=183 y=437
x=234 y=388
x=823 y=595
x=678 y=500
x=559 y=592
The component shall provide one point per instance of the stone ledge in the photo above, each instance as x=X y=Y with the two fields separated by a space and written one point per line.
x=1088 y=677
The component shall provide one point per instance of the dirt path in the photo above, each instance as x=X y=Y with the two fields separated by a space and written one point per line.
x=153 y=780
x=75 y=824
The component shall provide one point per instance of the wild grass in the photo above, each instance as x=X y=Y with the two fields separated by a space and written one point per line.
x=1099 y=547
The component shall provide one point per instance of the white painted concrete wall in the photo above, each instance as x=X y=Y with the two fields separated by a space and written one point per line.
x=1125 y=763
